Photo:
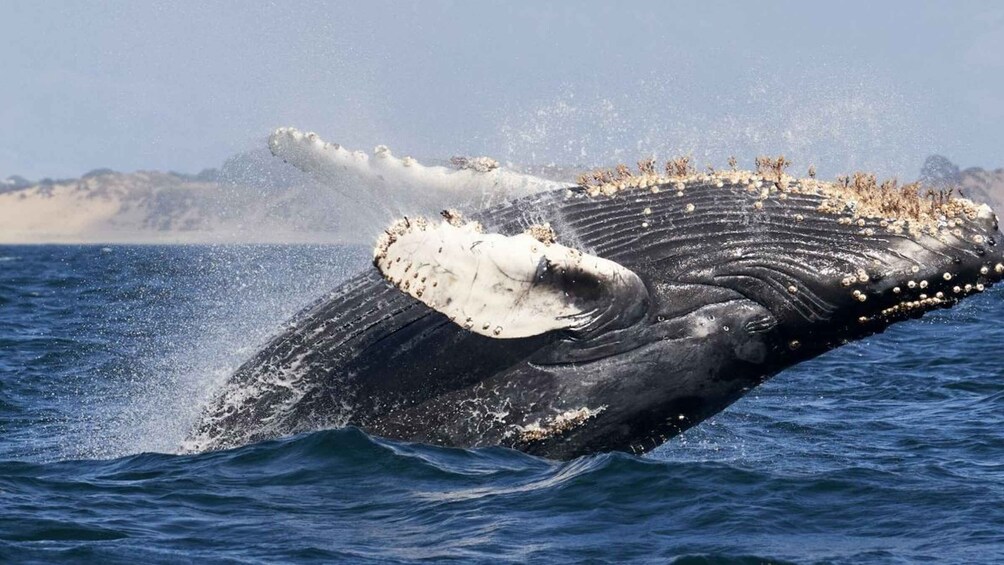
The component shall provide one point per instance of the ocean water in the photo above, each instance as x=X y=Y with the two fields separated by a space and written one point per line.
x=890 y=450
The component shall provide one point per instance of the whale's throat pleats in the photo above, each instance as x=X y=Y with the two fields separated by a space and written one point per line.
x=508 y=286
x=784 y=253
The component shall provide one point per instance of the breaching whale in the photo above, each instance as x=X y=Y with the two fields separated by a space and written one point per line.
x=608 y=315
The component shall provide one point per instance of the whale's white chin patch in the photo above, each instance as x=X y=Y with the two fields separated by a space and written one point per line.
x=500 y=286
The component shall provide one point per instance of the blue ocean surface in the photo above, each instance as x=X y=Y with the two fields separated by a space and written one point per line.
x=889 y=450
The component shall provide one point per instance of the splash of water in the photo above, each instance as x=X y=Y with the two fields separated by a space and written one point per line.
x=837 y=122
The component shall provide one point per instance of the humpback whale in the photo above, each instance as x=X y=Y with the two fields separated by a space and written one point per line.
x=609 y=314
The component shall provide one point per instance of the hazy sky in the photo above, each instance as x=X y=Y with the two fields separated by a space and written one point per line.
x=182 y=85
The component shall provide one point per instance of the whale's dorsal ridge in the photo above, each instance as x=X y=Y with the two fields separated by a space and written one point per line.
x=507 y=287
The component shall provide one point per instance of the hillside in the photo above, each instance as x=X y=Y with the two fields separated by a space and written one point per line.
x=253 y=198
x=976 y=183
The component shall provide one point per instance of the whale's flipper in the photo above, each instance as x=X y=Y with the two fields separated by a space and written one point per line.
x=507 y=286
x=396 y=185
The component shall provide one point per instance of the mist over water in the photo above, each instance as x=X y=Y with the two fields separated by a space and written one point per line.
x=128 y=343
x=837 y=120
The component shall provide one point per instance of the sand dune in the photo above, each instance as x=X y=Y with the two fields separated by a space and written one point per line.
x=155 y=207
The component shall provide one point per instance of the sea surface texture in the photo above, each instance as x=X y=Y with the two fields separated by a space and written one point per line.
x=889 y=450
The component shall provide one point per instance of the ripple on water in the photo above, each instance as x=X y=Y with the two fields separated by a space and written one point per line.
x=889 y=450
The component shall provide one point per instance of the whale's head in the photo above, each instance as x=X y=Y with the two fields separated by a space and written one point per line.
x=746 y=274
x=826 y=263
x=669 y=298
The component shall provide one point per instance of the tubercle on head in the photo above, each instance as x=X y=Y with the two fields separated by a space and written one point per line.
x=904 y=297
x=876 y=306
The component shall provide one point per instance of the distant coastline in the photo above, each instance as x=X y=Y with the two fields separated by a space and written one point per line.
x=252 y=198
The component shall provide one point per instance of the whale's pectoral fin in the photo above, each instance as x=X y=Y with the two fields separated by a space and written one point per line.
x=507 y=286
x=385 y=182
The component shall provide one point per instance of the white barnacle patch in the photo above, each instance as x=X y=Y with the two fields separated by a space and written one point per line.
x=477 y=164
x=543 y=233
x=559 y=424
x=500 y=286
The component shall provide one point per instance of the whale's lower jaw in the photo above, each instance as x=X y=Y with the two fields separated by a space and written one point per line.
x=742 y=277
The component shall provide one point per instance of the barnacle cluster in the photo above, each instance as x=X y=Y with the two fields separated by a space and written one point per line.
x=477 y=164
x=559 y=424
x=907 y=208
x=543 y=233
